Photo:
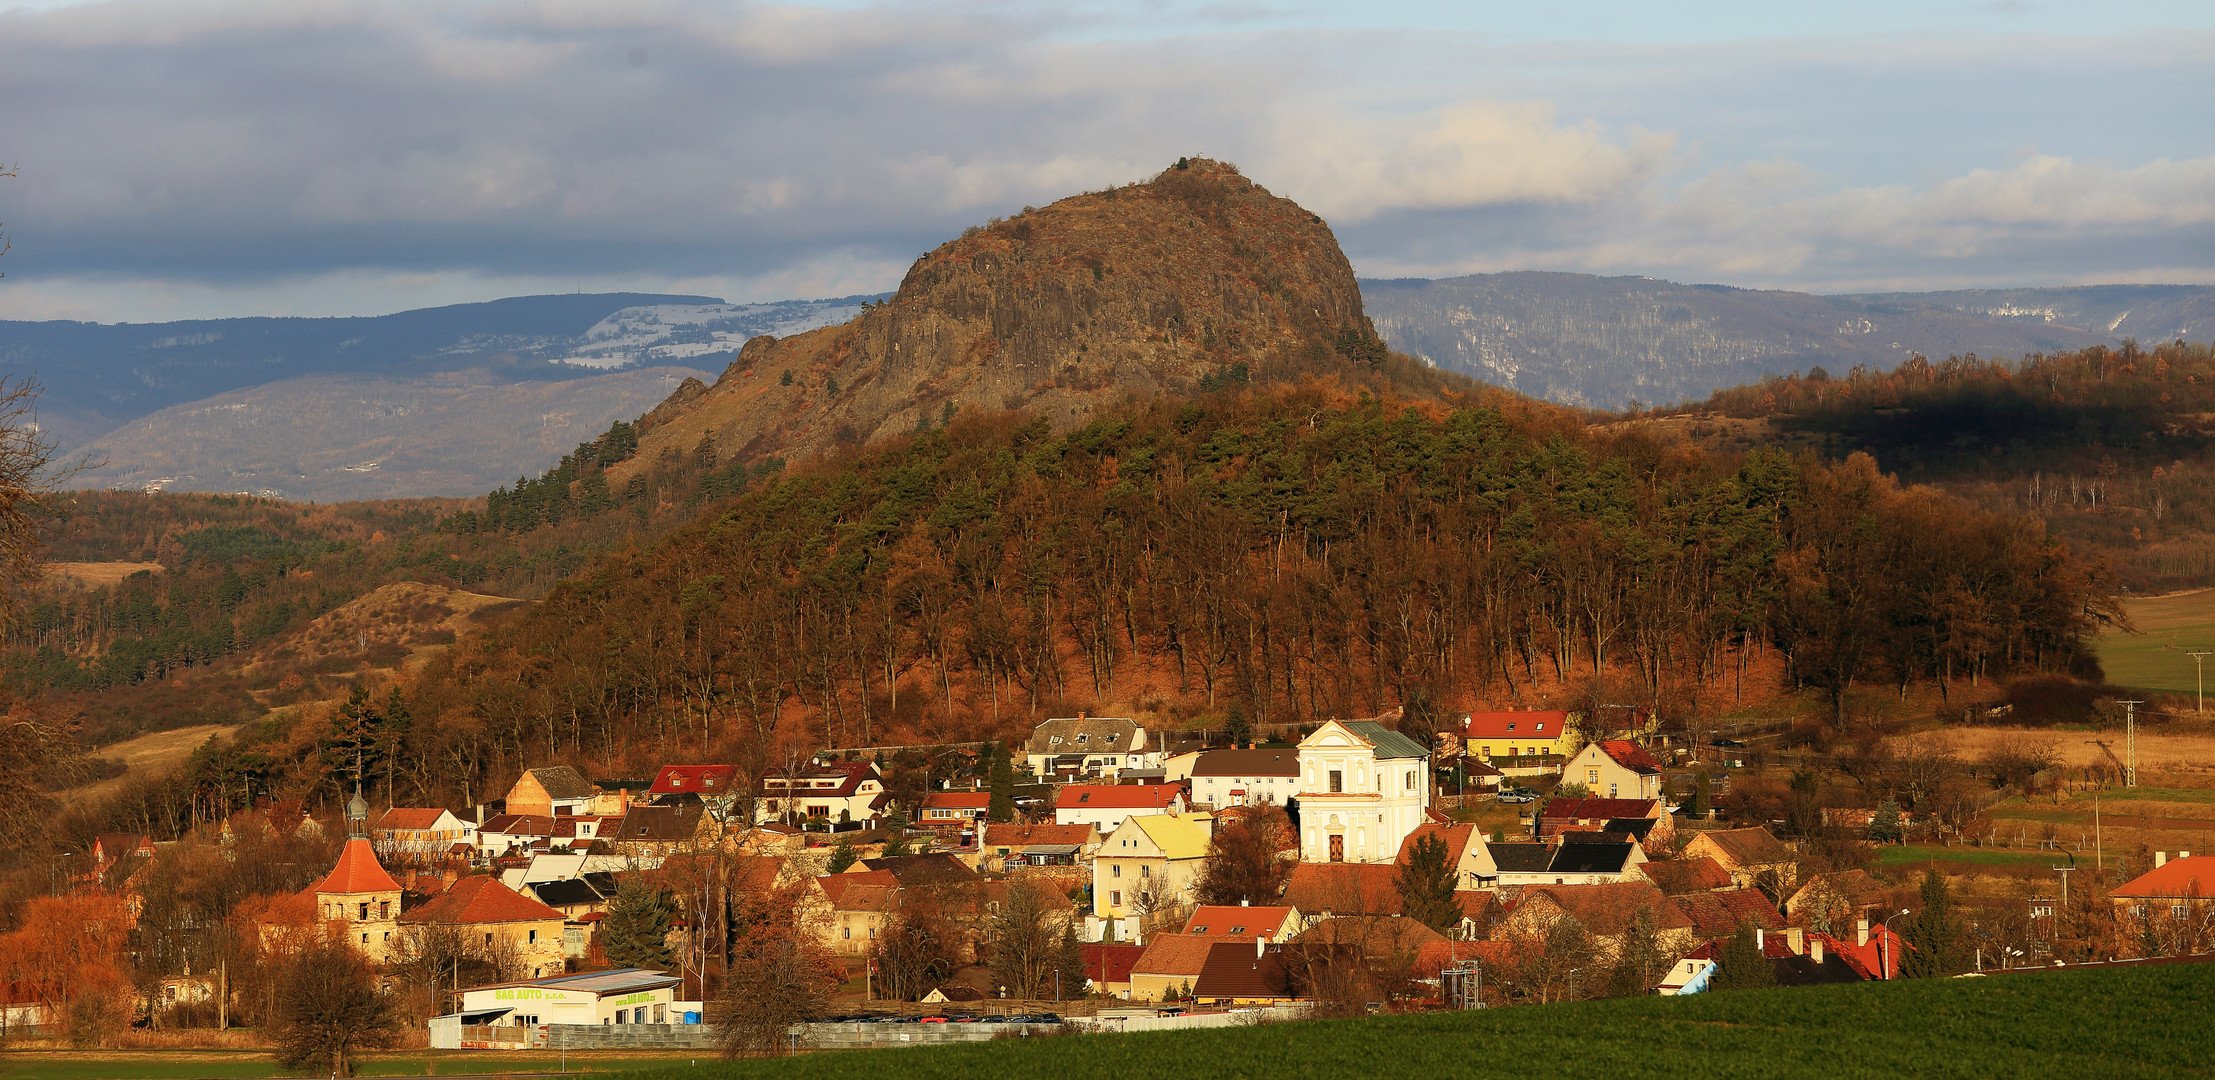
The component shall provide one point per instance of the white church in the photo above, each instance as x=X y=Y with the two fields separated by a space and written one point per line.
x=1362 y=788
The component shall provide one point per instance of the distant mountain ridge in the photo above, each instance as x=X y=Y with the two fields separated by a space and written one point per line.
x=1601 y=342
x=99 y=376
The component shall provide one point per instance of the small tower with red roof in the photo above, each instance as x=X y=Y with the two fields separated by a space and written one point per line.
x=358 y=899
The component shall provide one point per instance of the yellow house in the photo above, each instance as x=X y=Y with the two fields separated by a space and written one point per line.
x=1535 y=733
x=524 y=935
x=1143 y=874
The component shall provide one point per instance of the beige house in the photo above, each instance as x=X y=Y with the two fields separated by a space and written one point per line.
x=523 y=933
x=854 y=908
x=1142 y=875
x=1466 y=848
x=1362 y=788
x=657 y=832
x=1747 y=855
x=421 y=835
x=360 y=900
x=554 y=792
x=1170 y=966
x=1615 y=769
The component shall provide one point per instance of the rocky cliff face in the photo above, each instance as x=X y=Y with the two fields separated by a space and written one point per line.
x=1158 y=287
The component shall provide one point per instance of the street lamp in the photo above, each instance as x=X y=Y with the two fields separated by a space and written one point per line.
x=1884 y=945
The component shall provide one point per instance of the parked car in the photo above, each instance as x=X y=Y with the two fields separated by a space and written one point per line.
x=1518 y=795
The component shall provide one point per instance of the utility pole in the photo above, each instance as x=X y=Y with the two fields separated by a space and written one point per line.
x=2064 y=871
x=2199 y=665
x=2130 y=742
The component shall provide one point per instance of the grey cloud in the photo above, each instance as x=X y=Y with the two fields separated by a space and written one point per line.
x=248 y=146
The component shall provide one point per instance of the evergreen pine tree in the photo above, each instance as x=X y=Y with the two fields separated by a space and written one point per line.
x=1426 y=884
x=1069 y=961
x=1002 y=806
x=1743 y=965
x=636 y=931
x=1884 y=826
x=1699 y=804
x=1933 y=935
x=844 y=856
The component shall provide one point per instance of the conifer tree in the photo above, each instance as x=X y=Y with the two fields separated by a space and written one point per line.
x=1002 y=806
x=1742 y=965
x=843 y=857
x=636 y=931
x=1933 y=934
x=1426 y=884
x=1884 y=826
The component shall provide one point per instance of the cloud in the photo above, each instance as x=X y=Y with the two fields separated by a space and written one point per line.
x=249 y=154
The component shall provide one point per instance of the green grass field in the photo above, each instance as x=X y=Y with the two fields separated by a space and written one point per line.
x=2136 y=1022
x=2154 y=658
x=235 y=1065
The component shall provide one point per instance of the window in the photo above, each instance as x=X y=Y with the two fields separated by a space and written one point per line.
x=1338 y=781
x=2177 y=911
x=533 y=939
x=622 y=1016
x=1145 y=871
x=1591 y=776
x=365 y=939
x=1411 y=779
x=846 y=932
x=1115 y=898
x=1115 y=870
x=384 y=909
x=365 y=911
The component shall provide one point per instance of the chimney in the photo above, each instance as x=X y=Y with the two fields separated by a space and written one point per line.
x=2160 y=859
x=1861 y=931
x=1760 y=940
x=1261 y=947
x=1243 y=902
x=1796 y=940
x=1815 y=949
x=410 y=886
x=2184 y=854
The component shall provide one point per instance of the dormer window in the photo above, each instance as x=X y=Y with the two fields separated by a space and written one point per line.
x=1082 y=738
x=1541 y=725
x=1053 y=740
x=1511 y=725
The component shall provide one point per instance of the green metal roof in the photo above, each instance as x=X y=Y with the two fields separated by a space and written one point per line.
x=1389 y=743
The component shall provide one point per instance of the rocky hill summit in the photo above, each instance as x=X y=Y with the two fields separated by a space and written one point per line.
x=1195 y=279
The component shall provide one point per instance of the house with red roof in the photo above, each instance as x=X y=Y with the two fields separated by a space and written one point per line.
x=827 y=791
x=1107 y=965
x=2177 y=888
x=1104 y=806
x=942 y=809
x=1615 y=769
x=716 y=785
x=1243 y=922
x=1748 y=854
x=1518 y=742
x=500 y=920
x=1643 y=820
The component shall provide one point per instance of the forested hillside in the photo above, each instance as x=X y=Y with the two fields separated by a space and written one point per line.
x=2109 y=447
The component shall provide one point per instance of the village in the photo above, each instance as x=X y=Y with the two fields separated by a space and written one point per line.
x=1105 y=876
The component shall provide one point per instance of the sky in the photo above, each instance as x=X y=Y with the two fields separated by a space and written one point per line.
x=333 y=157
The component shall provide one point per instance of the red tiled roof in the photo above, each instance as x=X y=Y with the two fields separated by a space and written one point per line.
x=1536 y=723
x=520 y=825
x=410 y=817
x=1590 y=809
x=694 y=779
x=1236 y=922
x=1344 y=888
x=1719 y=914
x=1177 y=954
x=1678 y=876
x=835 y=885
x=1107 y=962
x=1608 y=909
x=1630 y=755
x=357 y=872
x=1118 y=796
x=1455 y=836
x=1016 y=837
x=874 y=898
x=1235 y=969
x=849 y=775
x=958 y=800
x=1742 y=848
x=2193 y=876
x=482 y=899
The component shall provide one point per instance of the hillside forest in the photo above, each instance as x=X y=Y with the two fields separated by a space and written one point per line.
x=1277 y=553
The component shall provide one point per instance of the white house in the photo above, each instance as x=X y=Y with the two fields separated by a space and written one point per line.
x=822 y=791
x=412 y=834
x=1104 y=806
x=1222 y=778
x=1362 y=788
x=1082 y=746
